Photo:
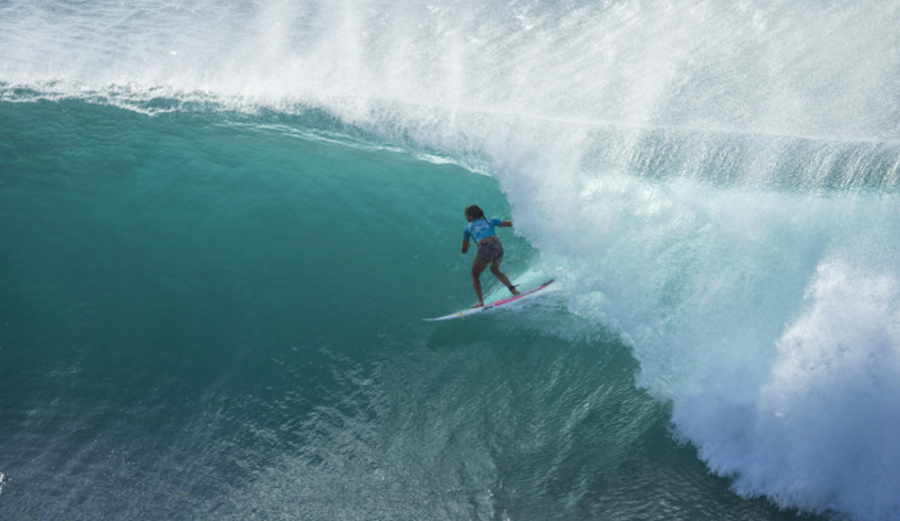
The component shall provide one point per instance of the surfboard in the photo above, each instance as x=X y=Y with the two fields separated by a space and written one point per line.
x=489 y=307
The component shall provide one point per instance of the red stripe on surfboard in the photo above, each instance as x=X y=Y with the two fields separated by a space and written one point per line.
x=517 y=297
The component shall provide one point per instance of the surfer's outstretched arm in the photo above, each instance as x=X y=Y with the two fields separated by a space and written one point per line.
x=465 y=246
x=506 y=224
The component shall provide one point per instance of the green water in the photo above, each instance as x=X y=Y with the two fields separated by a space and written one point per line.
x=211 y=316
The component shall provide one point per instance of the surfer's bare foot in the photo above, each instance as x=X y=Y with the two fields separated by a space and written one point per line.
x=514 y=290
x=478 y=304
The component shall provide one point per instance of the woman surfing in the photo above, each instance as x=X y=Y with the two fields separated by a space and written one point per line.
x=490 y=251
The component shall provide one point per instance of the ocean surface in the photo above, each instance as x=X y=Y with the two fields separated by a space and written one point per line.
x=221 y=223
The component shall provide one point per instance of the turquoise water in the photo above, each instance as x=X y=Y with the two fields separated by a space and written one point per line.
x=222 y=223
x=209 y=319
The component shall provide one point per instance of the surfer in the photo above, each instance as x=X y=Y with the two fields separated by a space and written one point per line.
x=490 y=251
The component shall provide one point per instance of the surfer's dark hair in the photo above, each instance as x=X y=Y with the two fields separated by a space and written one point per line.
x=475 y=212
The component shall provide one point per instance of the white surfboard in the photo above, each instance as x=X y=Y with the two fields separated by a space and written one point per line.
x=489 y=307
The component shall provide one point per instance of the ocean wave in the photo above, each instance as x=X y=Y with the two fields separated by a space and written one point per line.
x=716 y=183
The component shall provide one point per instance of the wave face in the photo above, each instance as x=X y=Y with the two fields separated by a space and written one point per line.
x=716 y=183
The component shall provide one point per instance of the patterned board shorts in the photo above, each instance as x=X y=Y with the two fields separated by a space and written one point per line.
x=490 y=251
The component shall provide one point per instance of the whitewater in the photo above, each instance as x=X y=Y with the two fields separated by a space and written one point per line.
x=223 y=222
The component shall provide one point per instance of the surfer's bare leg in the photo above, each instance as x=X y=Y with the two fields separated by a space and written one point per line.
x=477 y=267
x=495 y=269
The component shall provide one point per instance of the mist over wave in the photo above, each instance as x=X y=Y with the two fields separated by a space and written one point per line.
x=717 y=182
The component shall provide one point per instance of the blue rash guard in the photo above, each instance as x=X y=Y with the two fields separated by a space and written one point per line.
x=480 y=229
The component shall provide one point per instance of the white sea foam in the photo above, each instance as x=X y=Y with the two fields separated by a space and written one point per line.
x=821 y=432
x=768 y=319
x=717 y=182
